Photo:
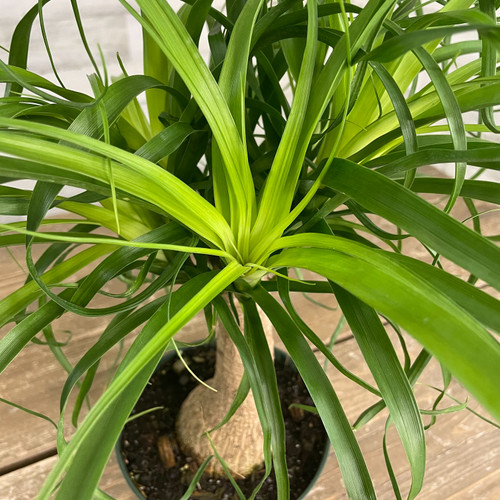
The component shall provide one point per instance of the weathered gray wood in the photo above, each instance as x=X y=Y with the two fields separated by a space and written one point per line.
x=463 y=451
x=23 y=484
x=35 y=379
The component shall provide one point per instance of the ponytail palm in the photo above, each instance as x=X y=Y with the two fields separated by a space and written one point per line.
x=232 y=175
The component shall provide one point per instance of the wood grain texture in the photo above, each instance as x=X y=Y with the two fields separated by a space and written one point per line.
x=463 y=451
x=27 y=435
x=23 y=484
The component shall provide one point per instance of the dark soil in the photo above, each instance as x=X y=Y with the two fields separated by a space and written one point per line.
x=305 y=436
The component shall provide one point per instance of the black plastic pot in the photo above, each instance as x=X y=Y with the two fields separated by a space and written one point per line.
x=133 y=486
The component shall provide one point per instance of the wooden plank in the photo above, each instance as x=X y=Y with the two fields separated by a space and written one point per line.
x=24 y=483
x=28 y=437
x=35 y=379
x=469 y=469
x=463 y=451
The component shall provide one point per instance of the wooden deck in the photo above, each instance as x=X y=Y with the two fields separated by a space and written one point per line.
x=463 y=451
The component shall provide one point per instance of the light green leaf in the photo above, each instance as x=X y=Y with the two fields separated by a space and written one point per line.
x=418 y=217
x=352 y=465
x=443 y=328
x=82 y=449
x=133 y=174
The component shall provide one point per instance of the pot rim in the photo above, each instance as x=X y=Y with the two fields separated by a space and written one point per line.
x=125 y=472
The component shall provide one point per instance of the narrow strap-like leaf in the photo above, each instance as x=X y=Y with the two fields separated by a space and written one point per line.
x=488 y=61
x=452 y=112
x=119 y=327
x=257 y=342
x=165 y=142
x=474 y=189
x=249 y=364
x=115 y=100
x=402 y=112
x=384 y=365
x=139 y=362
x=352 y=465
x=284 y=291
x=163 y=24
x=280 y=184
x=19 y=45
x=418 y=217
x=132 y=174
x=458 y=340
x=484 y=307
x=22 y=297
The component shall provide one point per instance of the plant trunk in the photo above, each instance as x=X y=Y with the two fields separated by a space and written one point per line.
x=239 y=442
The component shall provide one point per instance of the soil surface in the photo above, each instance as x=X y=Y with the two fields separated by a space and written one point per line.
x=146 y=437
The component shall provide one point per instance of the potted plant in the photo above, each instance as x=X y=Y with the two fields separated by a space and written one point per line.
x=227 y=178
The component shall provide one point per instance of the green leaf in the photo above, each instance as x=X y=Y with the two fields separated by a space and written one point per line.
x=130 y=228
x=488 y=61
x=442 y=327
x=280 y=184
x=363 y=28
x=419 y=218
x=19 y=44
x=232 y=86
x=15 y=168
x=284 y=292
x=452 y=112
x=486 y=157
x=165 y=27
x=115 y=100
x=165 y=142
x=477 y=190
x=398 y=45
x=194 y=483
x=384 y=365
x=259 y=348
x=22 y=297
x=402 y=112
x=118 y=328
x=12 y=343
x=27 y=410
x=477 y=303
x=110 y=268
x=98 y=426
x=83 y=38
x=352 y=465
x=11 y=74
x=254 y=379
x=133 y=174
